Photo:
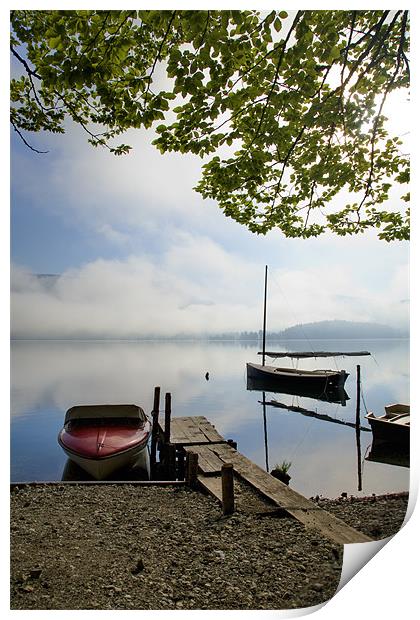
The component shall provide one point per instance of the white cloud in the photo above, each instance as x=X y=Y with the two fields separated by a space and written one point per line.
x=112 y=235
x=143 y=190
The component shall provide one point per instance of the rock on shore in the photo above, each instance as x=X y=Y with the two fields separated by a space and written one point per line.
x=128 y=547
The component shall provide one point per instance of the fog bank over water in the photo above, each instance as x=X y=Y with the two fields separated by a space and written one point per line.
x=196 y=288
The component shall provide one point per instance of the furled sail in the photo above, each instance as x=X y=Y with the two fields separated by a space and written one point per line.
x=304 y=354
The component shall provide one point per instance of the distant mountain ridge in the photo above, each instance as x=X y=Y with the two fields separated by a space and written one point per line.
x=321 y=330
x=343 y=329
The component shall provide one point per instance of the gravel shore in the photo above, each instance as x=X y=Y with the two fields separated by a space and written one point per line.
x=149 y=547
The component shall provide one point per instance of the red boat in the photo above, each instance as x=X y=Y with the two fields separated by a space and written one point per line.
x=104 y=438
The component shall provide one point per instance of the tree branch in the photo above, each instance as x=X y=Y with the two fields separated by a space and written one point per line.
x=25 y=141
x=279 y=62
x=157 y=58
x=29 y=71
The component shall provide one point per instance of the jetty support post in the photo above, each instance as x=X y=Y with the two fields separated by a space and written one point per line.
x=180 y=462
x=228 y=500
x=167 y=428
x=167 y=450
x=155 y=430
x=170 y=461
x=191 y=470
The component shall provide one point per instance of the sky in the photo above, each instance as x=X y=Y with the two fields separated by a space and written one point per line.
x=139 y=252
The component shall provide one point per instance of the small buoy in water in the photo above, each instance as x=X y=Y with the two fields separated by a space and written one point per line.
x=207 y=376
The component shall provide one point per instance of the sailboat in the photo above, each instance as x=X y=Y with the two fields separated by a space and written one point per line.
x=298 y=380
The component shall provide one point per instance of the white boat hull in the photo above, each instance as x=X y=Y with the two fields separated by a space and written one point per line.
x=103 y=468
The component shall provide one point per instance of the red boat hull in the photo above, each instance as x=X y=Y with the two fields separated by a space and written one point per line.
x=96 y=442
x=101 y=447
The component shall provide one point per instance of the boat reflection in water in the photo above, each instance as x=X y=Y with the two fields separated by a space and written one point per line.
x=385 y=452
x=321 y=392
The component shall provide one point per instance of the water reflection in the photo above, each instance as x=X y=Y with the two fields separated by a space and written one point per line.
x=330 y=395
x=72 y=472
x=48 y=377
x=319 y=416
x=381 y=452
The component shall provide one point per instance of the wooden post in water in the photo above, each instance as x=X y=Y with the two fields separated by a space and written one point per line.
x=191 y=469
x=358 y=447
x=228 y=500
x=155 y=426
x=265 y=433
x=358 y=394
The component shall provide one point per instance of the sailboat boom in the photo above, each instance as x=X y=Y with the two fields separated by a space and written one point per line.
x=305 y=354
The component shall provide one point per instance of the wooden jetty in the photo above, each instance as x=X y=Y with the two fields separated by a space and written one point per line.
x=192 y=451
x=196 y=435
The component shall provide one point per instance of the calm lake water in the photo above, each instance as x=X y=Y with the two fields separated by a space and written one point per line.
x=48 y=377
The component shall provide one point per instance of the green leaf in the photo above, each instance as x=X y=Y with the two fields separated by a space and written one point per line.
x=302 y=119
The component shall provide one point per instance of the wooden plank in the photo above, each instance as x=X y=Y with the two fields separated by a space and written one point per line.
x=203 y=465
x=210 y=431
x=203 y=462
x=192 y=431
x=178 y=432
x=212 y=485
x=208 y=462
x=304 y=510
x=188 y=429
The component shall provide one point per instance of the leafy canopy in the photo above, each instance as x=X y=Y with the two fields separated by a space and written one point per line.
x=287 y=109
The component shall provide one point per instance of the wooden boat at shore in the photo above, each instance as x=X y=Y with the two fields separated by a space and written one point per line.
x=102 y=439
x=393 y=426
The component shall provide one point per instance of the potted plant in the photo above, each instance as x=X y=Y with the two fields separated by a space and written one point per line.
x=281 y=472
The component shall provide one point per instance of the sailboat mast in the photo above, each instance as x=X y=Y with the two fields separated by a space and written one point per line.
x=265 y=315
